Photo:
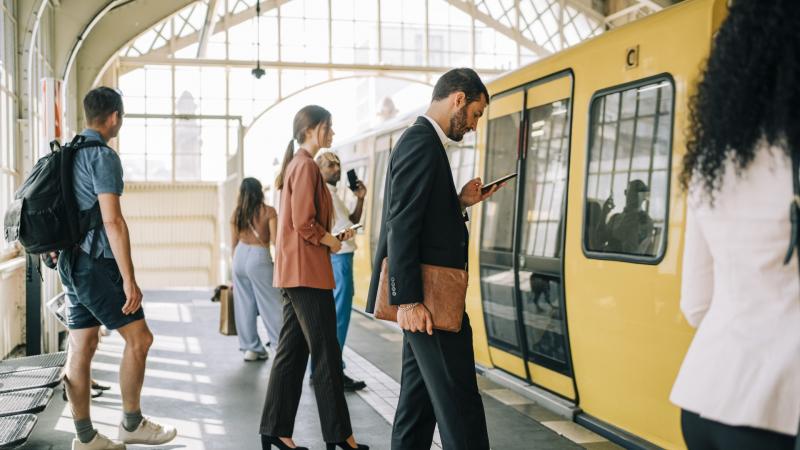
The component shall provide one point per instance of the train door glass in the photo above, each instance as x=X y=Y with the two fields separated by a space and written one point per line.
x=542 y=224
x=496 y=269
x=382 y=145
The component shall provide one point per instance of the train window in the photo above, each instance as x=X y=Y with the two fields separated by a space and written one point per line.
x=627 y=185
x=382 y=145
x=498 y=210
x=462 y=160
x=546 y=178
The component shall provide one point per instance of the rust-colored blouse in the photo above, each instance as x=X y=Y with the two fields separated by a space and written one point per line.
x=305 y=215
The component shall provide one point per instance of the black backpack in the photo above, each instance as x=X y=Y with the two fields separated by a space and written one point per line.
x=44 y=215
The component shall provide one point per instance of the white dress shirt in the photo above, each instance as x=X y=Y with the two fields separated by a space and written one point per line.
x=341 y=220
x=743 y=366
x=443 y=137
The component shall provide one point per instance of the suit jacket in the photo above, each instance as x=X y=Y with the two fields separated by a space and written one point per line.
x=422 y=219
x=306 y=215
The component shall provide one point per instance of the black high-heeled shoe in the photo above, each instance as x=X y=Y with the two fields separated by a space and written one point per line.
x=345 y=446
x=268 y=441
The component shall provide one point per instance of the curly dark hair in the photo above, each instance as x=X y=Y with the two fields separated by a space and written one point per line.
x=749 y=92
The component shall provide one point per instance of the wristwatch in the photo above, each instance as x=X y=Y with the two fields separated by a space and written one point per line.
x=407 y=306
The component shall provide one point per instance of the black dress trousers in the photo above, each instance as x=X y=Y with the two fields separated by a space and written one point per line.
x=309 y=324
x=438 y=385
x=704 y=434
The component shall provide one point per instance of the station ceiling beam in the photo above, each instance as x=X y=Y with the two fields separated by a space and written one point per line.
x=228 y=20
x=129 y=63
x=469 y=7
x=208 y=25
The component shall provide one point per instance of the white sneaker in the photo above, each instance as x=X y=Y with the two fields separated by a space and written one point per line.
x=255 y=356
x=99 y=442
x=147 y=432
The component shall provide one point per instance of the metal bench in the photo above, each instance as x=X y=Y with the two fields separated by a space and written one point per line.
x=32 y=401
x=33 y=362
x=29 y=379
x=14 y=430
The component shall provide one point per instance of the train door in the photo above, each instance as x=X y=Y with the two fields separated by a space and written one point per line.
x=522 y=235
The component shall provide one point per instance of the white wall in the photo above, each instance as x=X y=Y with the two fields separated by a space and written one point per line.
x=174 y=233
x=12 y=306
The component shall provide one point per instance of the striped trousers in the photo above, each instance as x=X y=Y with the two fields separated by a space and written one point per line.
x=309 y=325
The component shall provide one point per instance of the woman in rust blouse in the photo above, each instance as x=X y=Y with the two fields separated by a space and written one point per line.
x=303 y=273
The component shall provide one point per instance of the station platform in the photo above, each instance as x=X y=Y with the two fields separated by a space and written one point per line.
x=197 y=381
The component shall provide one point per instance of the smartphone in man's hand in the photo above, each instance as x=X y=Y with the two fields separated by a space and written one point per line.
x=488 y=186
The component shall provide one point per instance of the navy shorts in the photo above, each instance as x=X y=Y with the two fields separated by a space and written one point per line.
x=94 y=294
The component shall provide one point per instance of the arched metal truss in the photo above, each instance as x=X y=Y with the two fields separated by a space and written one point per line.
x=198 y=60
x=421 y=37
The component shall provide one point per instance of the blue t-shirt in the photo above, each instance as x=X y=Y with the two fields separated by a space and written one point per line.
x=97 y=170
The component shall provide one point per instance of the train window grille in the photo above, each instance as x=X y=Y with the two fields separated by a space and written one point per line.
x=627 y=183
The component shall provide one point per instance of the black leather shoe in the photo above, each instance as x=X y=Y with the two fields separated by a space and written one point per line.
x=345 y=446
x=100 y=387
x=351 y=385
x=268 y=441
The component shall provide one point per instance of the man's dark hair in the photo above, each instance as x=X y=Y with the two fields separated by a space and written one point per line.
x=460 y=80
x=101 y=102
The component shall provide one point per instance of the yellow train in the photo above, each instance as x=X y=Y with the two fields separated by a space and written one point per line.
x=575 y=267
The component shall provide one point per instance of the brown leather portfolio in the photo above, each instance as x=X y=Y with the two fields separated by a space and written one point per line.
x=444 y=291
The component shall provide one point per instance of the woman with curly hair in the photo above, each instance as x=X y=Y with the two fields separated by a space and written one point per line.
x=739 y=385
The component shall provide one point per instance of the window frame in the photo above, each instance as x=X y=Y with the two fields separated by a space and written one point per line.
x=664 y=245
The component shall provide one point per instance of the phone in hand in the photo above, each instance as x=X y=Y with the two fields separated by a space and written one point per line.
x=352 y=179
x=488 y=186
x=354 y=227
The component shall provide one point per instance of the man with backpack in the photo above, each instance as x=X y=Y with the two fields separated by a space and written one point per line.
x=101 y=287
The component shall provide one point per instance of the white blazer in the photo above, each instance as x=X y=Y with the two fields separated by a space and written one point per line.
x=743 y=366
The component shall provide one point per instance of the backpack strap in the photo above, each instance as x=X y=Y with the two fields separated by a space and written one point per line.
x=86 y=144
x=92 y=218
x=77 y=143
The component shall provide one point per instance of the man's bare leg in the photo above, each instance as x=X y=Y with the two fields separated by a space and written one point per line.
x=135 y=429
x=82 y=346
x=138 y=340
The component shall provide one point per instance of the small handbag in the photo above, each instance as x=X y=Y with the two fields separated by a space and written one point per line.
x=227 y=321
x=444 y=292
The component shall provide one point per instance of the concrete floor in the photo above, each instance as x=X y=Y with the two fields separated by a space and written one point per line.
x=197 y=381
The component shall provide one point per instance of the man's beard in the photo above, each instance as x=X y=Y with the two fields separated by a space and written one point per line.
x=458 y=124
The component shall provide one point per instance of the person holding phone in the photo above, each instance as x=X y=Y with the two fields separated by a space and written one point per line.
x=303 y=273
x=424 y=219
x=342 y=261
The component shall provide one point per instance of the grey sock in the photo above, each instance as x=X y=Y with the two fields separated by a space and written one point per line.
x=131 y=420
x=85 y=430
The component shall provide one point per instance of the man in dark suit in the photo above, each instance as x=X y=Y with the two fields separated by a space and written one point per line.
x=424 y=223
